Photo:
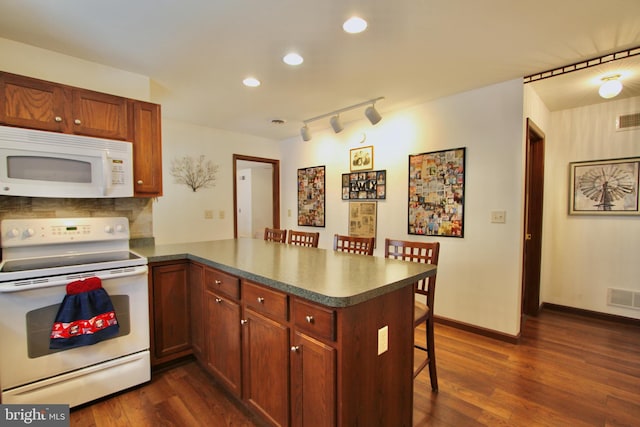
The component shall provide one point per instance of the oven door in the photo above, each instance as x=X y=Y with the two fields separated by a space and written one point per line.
x=26 y=318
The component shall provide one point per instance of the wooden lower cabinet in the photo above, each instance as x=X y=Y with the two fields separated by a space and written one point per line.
x=298 y=363
x=223 y=341
x=265 y=346
x=313 y=382
x=169 y=312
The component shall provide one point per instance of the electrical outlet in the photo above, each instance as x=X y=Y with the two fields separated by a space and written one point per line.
x=221 y=215
x=499 y=217
x=383 y=339
x=289 y=213
x=208 y=214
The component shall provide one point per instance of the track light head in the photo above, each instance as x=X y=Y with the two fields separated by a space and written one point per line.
x=372 y=114
x=305 y=132
x=336 y=124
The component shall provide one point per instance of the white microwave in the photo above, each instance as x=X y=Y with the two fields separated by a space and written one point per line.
x=36 y=163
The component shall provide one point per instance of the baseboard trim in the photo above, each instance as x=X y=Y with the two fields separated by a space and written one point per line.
x=591 y=314
x=512 y=339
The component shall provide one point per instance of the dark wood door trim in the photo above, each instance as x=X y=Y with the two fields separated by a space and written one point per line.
x=275 y=188
x=534 y=194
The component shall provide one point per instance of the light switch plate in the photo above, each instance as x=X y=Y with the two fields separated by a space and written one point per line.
x=499 y=217
x=383 y=339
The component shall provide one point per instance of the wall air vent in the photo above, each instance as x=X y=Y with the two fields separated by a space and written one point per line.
x=628 y=121
x=623 y=298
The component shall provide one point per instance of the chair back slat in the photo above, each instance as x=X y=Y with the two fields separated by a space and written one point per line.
x=421 y=252
x=354 y=245
x=304 y=238
x=275 y=235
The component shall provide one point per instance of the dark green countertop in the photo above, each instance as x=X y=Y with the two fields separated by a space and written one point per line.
x=330 y=278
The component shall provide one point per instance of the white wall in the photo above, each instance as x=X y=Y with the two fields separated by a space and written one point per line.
x=585 y=255
x=178 y=216
x=478 y=275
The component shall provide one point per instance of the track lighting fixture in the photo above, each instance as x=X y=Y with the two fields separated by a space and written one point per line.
x=336 y=124
x=371 y=113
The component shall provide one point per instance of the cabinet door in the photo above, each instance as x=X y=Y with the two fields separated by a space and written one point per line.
x=147 y=149
x=266 y=367
x=196 y=291
x=170 y=296
x=313 y=383
x=32 y=103
x=223 y=341
x=99 y=114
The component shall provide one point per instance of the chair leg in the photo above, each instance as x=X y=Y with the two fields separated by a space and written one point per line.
x=431 y=351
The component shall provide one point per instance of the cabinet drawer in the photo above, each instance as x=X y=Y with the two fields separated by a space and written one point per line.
x=266 y=301
x=222 y=283
x=316 y=320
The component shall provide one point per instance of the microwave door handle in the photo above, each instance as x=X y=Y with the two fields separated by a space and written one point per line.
x=107 y=177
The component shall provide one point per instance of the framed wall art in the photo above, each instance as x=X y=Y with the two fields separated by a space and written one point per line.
x=361 y=159
x=370 y=185
x=436 y=193
x=604 y=187
x=311 y=196
x=363 y=219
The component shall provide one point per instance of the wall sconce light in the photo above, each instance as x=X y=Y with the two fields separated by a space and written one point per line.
x=371 y=113
x=611 y=86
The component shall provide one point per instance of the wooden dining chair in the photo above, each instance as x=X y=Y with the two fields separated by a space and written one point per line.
x=424 y=252
x=304 y=238
x=354 y=245
x=275 y=235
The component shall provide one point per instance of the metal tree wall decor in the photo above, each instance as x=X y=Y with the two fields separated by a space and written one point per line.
x=194 y=173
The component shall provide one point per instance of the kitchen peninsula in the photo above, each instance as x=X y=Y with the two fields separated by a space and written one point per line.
x=302 y=336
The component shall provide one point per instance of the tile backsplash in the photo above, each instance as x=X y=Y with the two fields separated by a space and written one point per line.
x=139 y=211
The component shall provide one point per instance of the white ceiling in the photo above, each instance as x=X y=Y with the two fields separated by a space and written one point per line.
x=197 y=52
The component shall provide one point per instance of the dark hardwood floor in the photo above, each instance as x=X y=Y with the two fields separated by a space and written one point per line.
x=567 y=370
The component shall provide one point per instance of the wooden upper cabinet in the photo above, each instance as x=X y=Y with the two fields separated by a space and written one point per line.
x=147 y=149
x=99 y=114
x=32 y=103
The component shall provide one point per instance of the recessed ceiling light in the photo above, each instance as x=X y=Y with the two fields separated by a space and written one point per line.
x=293 y=59
x=251 y=82
x=354 y=25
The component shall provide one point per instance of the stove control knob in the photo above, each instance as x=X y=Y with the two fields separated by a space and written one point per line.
x=108 y=229
x=14 y=232
x=120 y=228
x=29 y=232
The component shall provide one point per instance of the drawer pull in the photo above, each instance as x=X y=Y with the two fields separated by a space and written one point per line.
x=218 y=300
x=218 y=282
x=58 y=119
x=244 y=321
x=310 y=319
x=295 y=348
x=261 y=300
x=77 y=121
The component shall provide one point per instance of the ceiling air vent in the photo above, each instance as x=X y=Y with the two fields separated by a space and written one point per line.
x=628 y=121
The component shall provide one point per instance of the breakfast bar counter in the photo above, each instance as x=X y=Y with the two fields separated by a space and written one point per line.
x=300 y=336
x=331 y=278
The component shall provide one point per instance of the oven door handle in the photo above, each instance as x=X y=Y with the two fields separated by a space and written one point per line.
x=48 y=282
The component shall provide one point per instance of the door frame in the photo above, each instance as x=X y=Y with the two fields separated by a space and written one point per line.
x=275 y=185
x=533 y=214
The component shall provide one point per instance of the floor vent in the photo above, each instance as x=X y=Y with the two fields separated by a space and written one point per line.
x=628 y=121
x=623 y=298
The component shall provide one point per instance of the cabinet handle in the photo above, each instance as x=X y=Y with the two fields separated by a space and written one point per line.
x=77 y=121
x=58 y=119
x=310 y=319
x=295 y=348
x=218 y=300
x=261 y=300
x=140 y=182
x=217 y=282
x=244 y=321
